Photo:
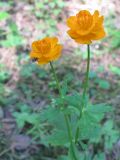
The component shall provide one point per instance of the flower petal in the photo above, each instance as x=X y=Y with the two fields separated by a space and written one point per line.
x=96 y=14
x=80 y=39
x=53 y=42
x=42 y=61
x=84 y=39
x=73 y=34
x=35 y=46
x=55 y=52
x=34 y=54
x=99 y=35
x=72 y=22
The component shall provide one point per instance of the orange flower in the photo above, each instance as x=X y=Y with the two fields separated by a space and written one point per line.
x=46 y=50
x=85 y=27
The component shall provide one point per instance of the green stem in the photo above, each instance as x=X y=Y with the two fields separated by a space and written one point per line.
x=87 y=73
x=70 y=136
x=56 y=79
x=84 y=91
x=65 y=116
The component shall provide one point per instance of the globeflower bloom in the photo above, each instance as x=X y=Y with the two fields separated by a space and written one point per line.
x=85 y=27
x=46 y=50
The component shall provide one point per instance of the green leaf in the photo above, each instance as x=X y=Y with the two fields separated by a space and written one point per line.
x=12 y=40
x=46 y=1
x=23 y=117
x=115 y=38
x=92 y=74
x=71 y=110
x=115 y=70
x=74 y=100
x=49 y=113
x=54 y=117
x=100 y=156
x=99 y=108
x=67 y=79
x=52 y=4
x=40 y=5
x=20 y=118
x=104 y=84
x=57 y=138
x=4 y=4
x=4 y=76
x=57 y=12
x=100 y=69
x=24 y=108
x=61 y=4
x=79 y=155
x=28 y=70
x=13 y=27
x=38 y=14
x=64 y=89
x=63 y=158
x=3 y=15
x=89 y=126
x=110 y=133
x=2 y=89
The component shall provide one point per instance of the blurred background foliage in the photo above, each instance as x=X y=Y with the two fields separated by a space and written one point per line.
x=26 y=88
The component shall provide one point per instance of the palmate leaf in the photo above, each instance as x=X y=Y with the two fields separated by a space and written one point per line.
x=54 y=117
x=89 y=124
x=57 y=138
x=74 y=100
x=110 y=134
x=49 y=113
x=99 y=108
x=89 y=127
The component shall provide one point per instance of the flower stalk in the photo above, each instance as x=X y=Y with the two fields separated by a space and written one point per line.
x=84 y=90
x=87 y=73
x=65 y=116
x=56 y=79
